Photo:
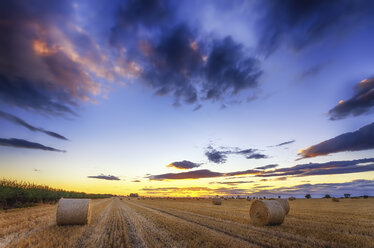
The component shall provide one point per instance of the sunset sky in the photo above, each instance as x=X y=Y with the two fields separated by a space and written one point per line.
x=189 y=98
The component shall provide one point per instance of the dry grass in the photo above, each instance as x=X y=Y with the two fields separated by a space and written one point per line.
x=192 y=223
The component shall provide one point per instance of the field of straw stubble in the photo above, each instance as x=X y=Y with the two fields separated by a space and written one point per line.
x=192 y=223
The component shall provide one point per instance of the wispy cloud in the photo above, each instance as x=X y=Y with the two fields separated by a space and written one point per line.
x=283 y=23
x=136 y=181
x=220 y=156
x=362 y=139
x=23 y=123
x=286 y=143
x=21 y=143
x=361 y=102
x=105 y=177
x=186 y=175
x=265 y=167
x=184 y=165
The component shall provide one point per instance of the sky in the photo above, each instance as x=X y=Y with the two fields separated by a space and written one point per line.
x=188 y=98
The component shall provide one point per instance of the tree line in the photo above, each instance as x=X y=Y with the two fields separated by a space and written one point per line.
x=22 y=194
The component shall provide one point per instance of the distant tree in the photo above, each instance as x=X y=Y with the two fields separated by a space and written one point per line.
x=366 y=196
x=134 y=195
x=308 y=196
x=347 y=195
x=279 y=196
x=327 y=196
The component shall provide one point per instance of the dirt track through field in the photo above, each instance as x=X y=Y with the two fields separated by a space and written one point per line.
x=215 y=231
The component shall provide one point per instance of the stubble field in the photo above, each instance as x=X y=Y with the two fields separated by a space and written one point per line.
x=193 y=223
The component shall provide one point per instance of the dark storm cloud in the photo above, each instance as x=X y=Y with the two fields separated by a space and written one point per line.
x=300 y=23
x=228 y=70
x=328 y=168
x=133 y=15
x=21 y=122
x=179 y=60
x=105 y=177
x=286 y=143
x=21 y=143
x=175 y=64
x=270 y=166
x=220 y=156
x=46 y=62
x=362 y=139
x=361 y=102
x=185 y=164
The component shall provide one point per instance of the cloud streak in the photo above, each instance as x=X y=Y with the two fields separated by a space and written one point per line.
x=300 y=170
x=355 y=187
x=361 y=102
x=183 y=165
x=105 y=177
x=21 y=122
x=21 y=143
x=270 y=166
x=286 y=143
x=362 y=139
x=328 y=168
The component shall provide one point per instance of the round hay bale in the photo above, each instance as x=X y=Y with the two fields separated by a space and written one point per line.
x=266 y=213
x=284 y=204
x=335 y=199
x=73 y=212
x=291 y=198
x=217 y=201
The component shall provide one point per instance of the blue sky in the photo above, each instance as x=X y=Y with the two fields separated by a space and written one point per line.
x=138 y=85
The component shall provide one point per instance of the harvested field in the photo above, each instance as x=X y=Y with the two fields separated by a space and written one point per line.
x=193 y=223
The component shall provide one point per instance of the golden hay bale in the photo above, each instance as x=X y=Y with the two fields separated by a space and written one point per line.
x=217 y=201
x=284 y=204
x=266 y=213
x=291 y=198
x=73 y=212
x=335 y=199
